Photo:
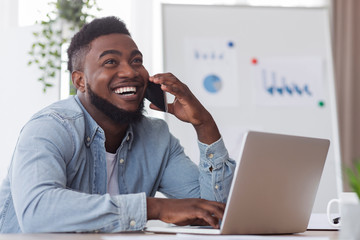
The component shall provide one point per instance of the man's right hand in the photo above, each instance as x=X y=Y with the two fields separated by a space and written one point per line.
x=185 y=211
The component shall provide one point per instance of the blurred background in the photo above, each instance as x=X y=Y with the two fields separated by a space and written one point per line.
x=23 y=94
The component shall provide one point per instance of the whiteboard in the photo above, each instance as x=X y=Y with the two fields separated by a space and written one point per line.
x=256 y=68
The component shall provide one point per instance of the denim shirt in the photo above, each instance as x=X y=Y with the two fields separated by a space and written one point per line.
x=57 y=178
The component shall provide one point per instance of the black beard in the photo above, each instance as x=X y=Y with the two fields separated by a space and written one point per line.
x=116 y=114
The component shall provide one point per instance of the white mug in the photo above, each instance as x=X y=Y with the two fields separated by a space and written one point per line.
x=345 y=198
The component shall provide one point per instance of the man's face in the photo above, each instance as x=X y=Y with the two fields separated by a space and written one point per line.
x=114 y=72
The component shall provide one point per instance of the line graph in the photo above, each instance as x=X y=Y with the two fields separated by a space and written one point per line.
x=280 y=86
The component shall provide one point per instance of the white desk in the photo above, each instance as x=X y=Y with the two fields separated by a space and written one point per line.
x=332 y=235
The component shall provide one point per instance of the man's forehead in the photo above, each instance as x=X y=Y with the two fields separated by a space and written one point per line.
x=113 y=40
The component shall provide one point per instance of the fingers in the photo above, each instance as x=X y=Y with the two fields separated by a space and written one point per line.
x=216 y=208
x=205 y=212
x=208 y=213
x=153 y=106
x=213 y=212
x=186 y=106
x=170 y=84
x=209 y=218
x=186 y=211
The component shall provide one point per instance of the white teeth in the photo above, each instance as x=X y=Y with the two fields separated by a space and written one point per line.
x=125 y=90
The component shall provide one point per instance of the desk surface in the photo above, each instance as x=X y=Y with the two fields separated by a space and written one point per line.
x=332 y=235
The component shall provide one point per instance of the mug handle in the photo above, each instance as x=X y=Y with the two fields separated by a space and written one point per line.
x=328 y=212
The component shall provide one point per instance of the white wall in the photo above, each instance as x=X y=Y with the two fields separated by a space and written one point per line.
x=21 y=95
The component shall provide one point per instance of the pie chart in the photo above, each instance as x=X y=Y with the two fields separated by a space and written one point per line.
x=212 y=83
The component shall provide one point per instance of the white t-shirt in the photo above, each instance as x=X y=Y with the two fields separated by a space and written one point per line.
x=112 y=174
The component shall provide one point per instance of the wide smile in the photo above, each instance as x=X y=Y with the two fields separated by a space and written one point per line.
x=125 y=91
x=129 y=92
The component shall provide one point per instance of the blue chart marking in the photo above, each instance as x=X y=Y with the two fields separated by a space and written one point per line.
x=307 y=90
x=287 y=88
x=215 y=54
x=212 y=83
x=197 y=55
x=208 y=55
x=291 y=90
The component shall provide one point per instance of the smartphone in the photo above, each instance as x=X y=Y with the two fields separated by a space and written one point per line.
x=156 y=95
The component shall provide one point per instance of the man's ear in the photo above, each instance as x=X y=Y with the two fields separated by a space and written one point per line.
x=78 y=80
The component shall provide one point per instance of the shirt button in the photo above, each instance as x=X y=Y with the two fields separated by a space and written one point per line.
x=88 y=139
x=132 y=223
x=210 y=155
x=216 y=186
x=128 y=138
x=121 y=161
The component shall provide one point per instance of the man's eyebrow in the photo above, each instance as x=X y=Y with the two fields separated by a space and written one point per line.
x=112 y=51
x=135 y=52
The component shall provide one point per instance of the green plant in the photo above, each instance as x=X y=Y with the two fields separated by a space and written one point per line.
x=353 y=175
x=67 y=16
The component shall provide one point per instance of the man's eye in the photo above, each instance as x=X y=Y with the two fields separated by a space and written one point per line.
x=138 y=60
x=110 y=61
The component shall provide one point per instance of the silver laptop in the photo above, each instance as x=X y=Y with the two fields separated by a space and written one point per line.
x=274 y=186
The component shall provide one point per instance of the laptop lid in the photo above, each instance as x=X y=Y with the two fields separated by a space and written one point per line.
x=275 y=184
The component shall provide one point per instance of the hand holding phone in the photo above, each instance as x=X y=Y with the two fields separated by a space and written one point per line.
x=156 y=96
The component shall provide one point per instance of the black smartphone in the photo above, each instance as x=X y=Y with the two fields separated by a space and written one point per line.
x=156 y=95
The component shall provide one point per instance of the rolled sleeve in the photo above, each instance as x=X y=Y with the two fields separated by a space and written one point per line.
x=213 y=155
x=132 y=209
x=216 y=171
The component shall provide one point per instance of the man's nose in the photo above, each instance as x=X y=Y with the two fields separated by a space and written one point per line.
x=125 y=70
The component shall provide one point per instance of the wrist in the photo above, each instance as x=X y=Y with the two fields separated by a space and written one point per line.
x=207 y=131
x=152 y=208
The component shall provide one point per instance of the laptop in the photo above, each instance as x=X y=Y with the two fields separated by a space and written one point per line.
x=273 y=189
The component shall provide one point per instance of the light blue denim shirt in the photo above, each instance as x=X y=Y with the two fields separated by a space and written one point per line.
x=57 y=178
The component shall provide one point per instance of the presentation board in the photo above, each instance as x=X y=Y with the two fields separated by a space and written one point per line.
x=256 y=68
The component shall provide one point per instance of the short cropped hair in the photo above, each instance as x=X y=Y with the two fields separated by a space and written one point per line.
x=80 y=43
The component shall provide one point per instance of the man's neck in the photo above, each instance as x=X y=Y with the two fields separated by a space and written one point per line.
x=114 y=135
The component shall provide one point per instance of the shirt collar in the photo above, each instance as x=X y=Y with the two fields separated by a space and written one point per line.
x=90 y=125
x=129 y=136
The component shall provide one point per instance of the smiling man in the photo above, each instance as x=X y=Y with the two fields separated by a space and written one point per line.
x=93 y=162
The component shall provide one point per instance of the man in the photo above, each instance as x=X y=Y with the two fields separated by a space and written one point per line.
x=93 y=162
